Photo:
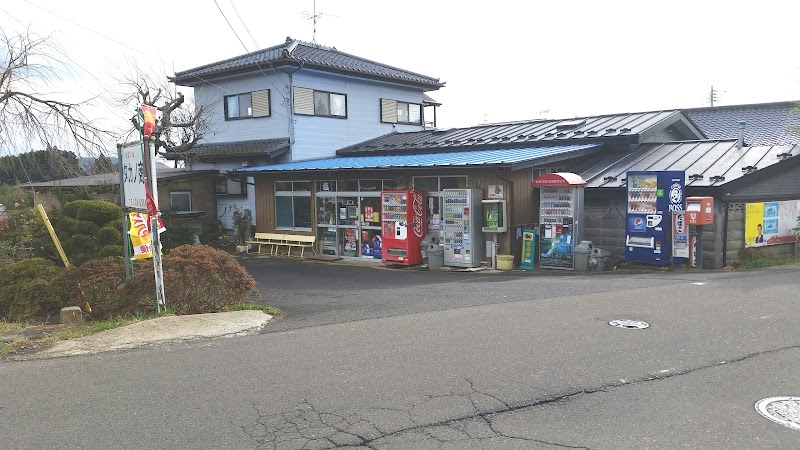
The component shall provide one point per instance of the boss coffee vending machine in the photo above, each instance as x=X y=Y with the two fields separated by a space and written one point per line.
x=652 y=197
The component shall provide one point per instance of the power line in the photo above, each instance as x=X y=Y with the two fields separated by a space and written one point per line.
x=243 y=24
x=231 y=26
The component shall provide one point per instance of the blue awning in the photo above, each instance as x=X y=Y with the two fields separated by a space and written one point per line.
x=445 y=159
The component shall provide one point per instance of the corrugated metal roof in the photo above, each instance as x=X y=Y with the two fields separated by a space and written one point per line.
x=766 y=123
x=516 y=133
x=707 y=163
x=304 y=54
x=448 y=159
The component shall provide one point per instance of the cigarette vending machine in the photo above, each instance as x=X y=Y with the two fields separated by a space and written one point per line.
x=461 y=230
x=403 y=226
x=652 y=198
x=560 y=222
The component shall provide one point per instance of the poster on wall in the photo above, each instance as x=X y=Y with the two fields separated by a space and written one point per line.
x=770 y=223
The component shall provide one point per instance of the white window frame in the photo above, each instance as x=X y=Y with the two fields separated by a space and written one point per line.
x=294 y=194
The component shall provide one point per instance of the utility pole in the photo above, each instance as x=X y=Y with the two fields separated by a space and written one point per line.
x=712 y=95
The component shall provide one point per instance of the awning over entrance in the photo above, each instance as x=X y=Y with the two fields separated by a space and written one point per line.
x=443 y=159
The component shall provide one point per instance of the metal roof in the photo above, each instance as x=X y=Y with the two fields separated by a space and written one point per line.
x=766 y=123
x=516 y=134
x=707 y=163
x=308 y=55
x=447 y=159
x=261 y=147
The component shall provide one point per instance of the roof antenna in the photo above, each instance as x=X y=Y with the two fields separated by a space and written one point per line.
x=313 y=17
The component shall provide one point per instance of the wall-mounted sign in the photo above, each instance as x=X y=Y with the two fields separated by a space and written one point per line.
x=495 y=191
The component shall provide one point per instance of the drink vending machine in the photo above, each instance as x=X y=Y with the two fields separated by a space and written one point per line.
x=403 y=226
x=652 y=198
x=461 y=227
x=560 y=221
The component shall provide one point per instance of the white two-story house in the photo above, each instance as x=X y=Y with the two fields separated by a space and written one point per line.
x=296 y=101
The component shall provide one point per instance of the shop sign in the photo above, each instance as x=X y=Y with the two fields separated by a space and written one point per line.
x=680 y=236
x=528 y=244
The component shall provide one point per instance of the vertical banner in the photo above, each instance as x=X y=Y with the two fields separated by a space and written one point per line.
x=140 y=235
x=528 y=244
x=680 y=235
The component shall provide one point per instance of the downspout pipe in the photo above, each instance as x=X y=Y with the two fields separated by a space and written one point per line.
x=725 y=236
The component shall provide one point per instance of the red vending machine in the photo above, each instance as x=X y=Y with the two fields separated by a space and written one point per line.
x=404 y=226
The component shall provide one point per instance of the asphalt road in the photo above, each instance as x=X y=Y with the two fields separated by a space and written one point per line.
x=375 y=358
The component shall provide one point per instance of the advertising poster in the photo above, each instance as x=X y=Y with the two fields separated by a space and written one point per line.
x=528 y=244
x=770 y=223
x=556 y=247
x=140 y=236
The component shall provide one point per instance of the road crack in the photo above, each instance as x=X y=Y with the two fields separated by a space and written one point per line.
x=466 y=413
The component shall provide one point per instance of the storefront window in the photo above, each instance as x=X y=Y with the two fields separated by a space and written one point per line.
x=396 y=184
x=326 y=186
x=427 y=184
x=348 y=185
x=370 y=185
x=453 y=182
x=293 y=205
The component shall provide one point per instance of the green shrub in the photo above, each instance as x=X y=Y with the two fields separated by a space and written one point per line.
x=66 y=225
x=100 y=283
x=111 y=250
x=25 y=289
x=175 y=237
x=201 y=279
x=108 y=235
x=86 y=227
x=79 y=244
x=96 y=211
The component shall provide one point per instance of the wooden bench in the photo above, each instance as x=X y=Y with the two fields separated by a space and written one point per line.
x=300 y=241
x=271 y=239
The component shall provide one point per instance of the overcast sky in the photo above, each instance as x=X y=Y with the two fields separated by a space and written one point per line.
x=502 y=60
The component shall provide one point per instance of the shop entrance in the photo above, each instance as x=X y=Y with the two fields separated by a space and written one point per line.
x=348 y=224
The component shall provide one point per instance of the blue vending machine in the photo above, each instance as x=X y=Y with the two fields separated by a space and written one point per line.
x=652 y=199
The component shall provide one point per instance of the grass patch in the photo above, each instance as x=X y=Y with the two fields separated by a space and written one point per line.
x=759 y=263
x=8 y=326
x=272 y=311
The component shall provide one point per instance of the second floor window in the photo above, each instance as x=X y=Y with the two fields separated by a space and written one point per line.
x=394 y=111
x=319 y=103
x=247 y=105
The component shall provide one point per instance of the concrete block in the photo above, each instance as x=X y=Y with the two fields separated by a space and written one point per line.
x=71 y=315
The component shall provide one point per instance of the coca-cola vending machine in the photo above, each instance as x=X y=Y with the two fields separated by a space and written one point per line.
x=403 y=226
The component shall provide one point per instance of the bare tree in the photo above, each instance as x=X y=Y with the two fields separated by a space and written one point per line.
x=31 y=115
x=180 y=125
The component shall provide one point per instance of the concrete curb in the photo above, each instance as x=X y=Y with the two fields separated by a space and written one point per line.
x=159 y=331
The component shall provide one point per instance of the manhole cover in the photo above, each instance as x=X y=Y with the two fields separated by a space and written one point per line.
x=781 y=410
x=629 y=324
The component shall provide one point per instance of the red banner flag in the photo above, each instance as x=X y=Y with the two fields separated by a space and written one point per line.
x=152 y=209
x=149 y=119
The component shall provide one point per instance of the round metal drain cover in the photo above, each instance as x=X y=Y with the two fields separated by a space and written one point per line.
x=629 y=324
x=781 y=410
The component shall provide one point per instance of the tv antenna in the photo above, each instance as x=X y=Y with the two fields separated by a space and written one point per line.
x=313 y=16
x=712 y=95
x=541 y=113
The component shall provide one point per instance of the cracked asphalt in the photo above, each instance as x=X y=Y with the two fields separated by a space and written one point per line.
x=394 y=359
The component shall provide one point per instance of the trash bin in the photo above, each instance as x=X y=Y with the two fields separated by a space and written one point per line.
x=600 y=257
x=435 y=256
x=582 y=253
x=505 y=262
x=423 y=247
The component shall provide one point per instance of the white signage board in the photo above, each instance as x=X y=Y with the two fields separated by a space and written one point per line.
x=133 y=172
x=680 y=235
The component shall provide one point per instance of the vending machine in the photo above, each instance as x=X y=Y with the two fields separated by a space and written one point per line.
x=403 y=226
x=652 y=198
x=560 y=221
x=461 y=227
